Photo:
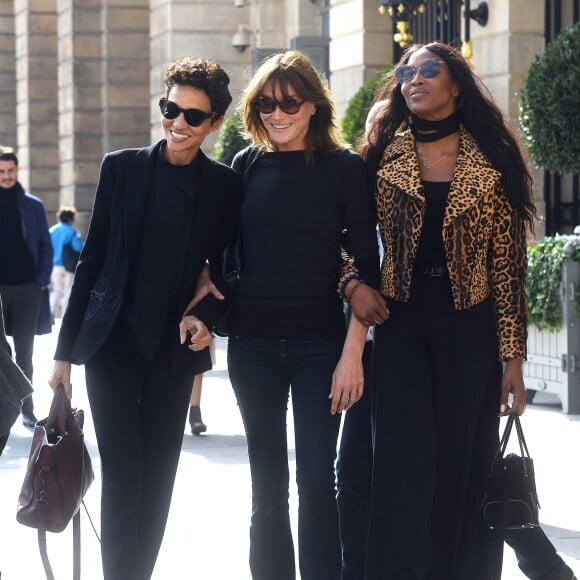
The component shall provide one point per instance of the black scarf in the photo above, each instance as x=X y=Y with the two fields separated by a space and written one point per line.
x=440 y=128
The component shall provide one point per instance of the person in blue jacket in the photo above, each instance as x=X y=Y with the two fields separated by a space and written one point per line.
x=25 y=266
x=63 y=235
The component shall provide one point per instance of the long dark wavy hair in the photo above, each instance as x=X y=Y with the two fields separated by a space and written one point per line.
x=477 y=112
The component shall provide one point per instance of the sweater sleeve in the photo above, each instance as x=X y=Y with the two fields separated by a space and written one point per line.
x=360 y=249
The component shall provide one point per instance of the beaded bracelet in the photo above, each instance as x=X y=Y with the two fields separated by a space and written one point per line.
x=346 y=278
x=352 y=289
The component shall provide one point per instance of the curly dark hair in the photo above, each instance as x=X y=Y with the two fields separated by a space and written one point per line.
x=202 y=74
x=66 y=214
x=477 y=112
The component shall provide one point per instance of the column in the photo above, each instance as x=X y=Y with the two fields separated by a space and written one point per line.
x=7 y=75
x=36 y=98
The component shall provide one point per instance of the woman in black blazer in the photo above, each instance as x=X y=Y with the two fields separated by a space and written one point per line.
x=160 y=213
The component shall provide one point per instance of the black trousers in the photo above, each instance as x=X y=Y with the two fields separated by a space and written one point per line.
x=354 y=470
x=139 y=408
x=437 y=389
x=21 y=307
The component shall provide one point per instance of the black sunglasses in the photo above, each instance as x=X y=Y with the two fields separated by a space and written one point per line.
x=193 y=117
x=288 y=105
x=429 y=69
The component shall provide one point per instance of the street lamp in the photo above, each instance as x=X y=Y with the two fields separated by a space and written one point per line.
x=401 y=12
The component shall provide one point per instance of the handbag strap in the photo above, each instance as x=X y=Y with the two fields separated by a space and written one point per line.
x=58 y=411
x=512 y=419
x=76 y=542
x=521 y=438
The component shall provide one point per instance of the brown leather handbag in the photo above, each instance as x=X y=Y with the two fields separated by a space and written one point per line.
x=58 y=475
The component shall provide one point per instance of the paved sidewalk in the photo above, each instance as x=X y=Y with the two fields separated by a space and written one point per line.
x=207 y=532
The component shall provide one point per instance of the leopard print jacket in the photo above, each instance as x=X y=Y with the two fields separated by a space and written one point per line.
x=484 y=240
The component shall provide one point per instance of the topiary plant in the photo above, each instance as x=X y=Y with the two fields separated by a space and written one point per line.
x=230 y=139
x=549 y=111
x=353 y=122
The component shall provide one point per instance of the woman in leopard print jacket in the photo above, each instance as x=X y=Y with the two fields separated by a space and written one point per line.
x=454 y=201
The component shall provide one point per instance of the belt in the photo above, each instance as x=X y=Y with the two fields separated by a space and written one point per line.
x=434 y=271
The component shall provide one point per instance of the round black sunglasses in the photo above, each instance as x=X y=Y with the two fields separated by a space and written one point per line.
x=193 y=117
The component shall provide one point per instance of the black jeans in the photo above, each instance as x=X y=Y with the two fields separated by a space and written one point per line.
x=139 y=408
x=262 y=372
x=21 y=307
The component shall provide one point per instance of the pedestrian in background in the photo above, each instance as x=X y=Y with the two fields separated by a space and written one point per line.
x=66 y=245
x=14 y=387
x=287 y=329
x=25 y=267
x=454 y=201
x=160 y=214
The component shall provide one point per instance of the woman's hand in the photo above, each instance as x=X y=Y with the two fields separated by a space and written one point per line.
x=61 y=374
x=348 y=378
x=367 y=304
x=204 y=287
x=513 y=382
x=347 y=383
x=200 y=335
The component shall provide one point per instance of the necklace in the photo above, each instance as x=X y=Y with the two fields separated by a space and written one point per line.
x=423 y=161
x=428 y=165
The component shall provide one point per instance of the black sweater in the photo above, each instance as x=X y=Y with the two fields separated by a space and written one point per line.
x=293 y=216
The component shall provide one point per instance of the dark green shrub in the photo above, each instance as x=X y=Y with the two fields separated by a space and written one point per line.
x=545 y=260
x=353 y=122
x=230 y=139
x=549 y=110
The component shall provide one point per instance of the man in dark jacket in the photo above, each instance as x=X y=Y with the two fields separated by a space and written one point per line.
x=25 y=266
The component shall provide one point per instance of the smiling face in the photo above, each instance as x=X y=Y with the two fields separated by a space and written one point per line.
x=183 y=140
x=430 y=98
x=287 y=132
x=8 y=174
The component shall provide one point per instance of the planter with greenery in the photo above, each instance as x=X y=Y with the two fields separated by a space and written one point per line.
x=546 y=259
x=553 y=362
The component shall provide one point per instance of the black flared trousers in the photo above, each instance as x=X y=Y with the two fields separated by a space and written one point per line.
x=435 y=425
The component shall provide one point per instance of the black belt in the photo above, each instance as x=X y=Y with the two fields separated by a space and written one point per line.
x=433 y=271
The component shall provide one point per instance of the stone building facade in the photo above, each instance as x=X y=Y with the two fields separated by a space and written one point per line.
x=79 y=78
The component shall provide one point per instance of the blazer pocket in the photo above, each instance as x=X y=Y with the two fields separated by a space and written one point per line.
x=100 y=316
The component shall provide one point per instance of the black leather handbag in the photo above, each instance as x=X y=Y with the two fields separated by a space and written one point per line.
x=511 y=500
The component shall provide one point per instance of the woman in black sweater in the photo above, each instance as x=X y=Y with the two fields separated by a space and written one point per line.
x=287 y=328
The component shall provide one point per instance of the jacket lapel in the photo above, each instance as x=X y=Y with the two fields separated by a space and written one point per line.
x=471 y=179
x=472 y=176
x=139 y=179
x=400 y=167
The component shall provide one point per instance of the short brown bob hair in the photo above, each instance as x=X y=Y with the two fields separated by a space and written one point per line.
x=294 y=69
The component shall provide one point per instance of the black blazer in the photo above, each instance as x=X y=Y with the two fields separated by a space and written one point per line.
x=110 y=250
